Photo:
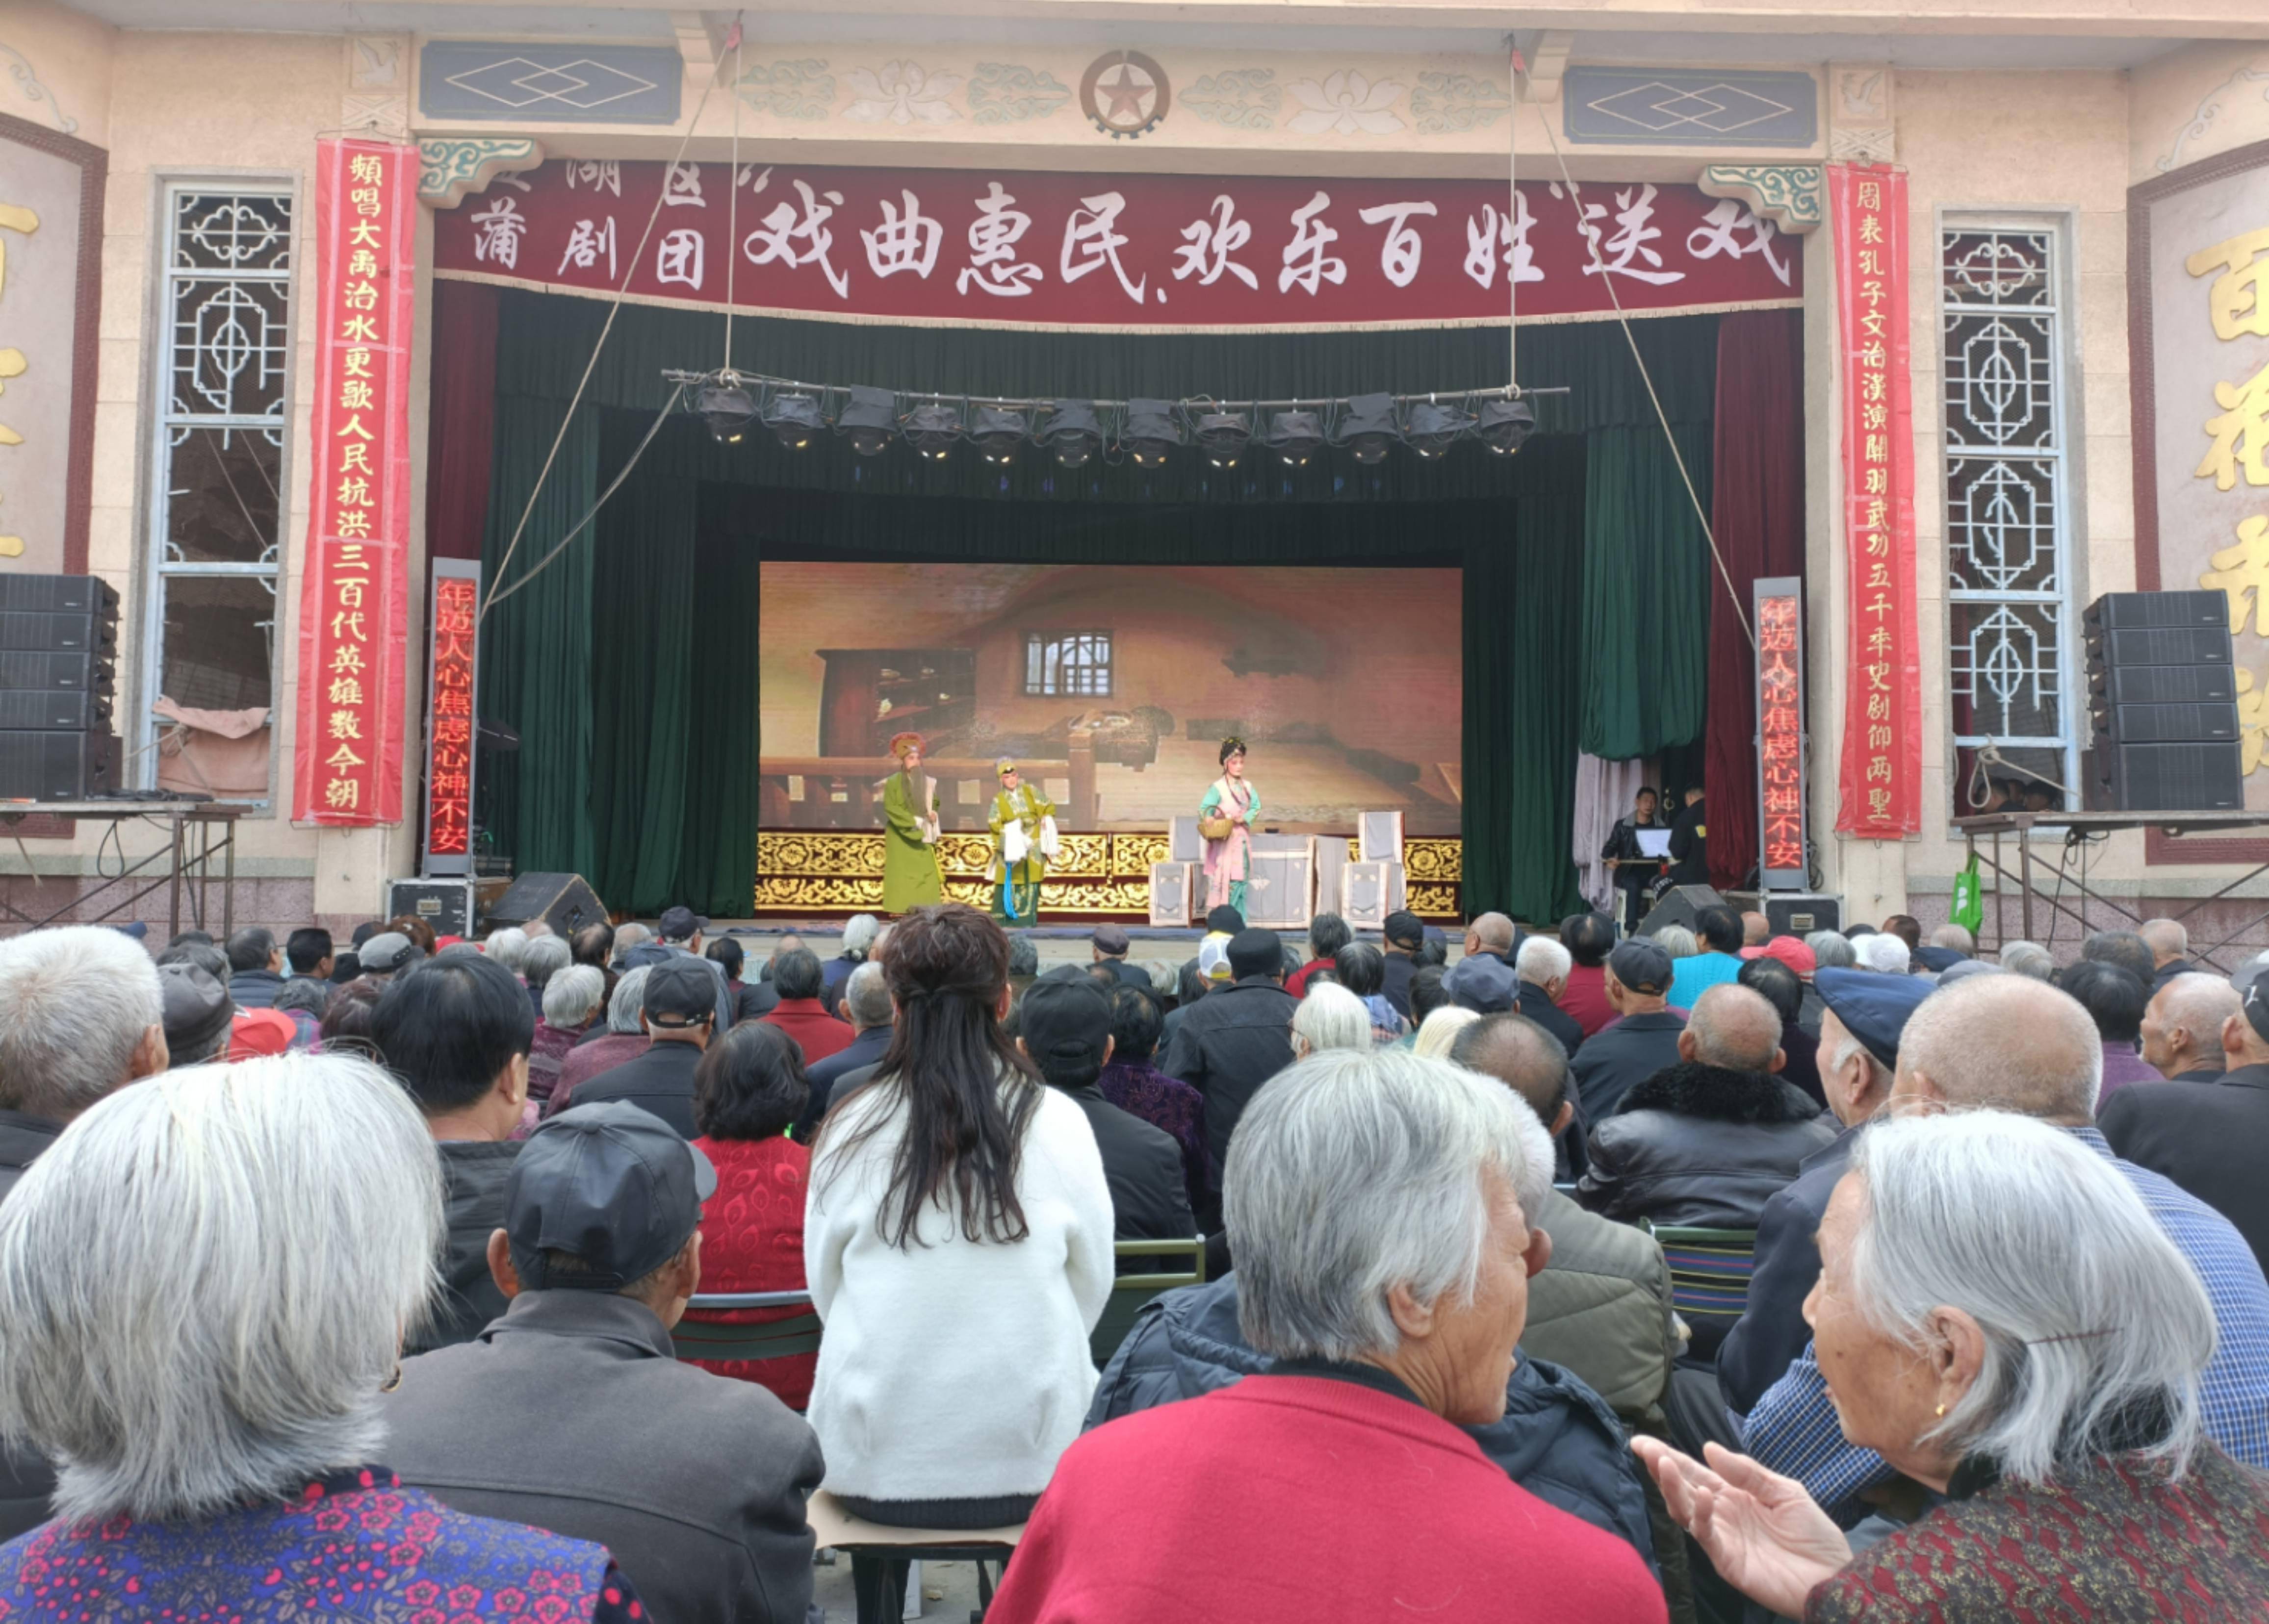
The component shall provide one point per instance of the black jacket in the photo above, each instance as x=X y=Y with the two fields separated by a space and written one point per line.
x=2172 y=968
x=473 y=1173
x=1770 y=1333
x=1551 y=1017
x=1619 y=1057
x=2206 y=1136
x=1395 y=986
x=1558 y=1439
x=1638 y=869
x=1150 y=1201
x=660 y=1079
x=1233 y=1040
x=864 y=1049
x=572 y=1411
x=1129 y=975
x=1697 y=1144
x=255 y=989
x=25 y=1480
x=1690 y=845
x=757 y=999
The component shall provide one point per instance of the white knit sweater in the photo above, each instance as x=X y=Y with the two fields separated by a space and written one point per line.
x=954 y=1369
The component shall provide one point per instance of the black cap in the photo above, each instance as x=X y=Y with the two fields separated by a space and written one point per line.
x=1873 y=1008
x=1111 y=939
x=1643 y=965
x=1225 y=920
x=679 y=992
x=681 y=924
x=1255 y=952
x=1064 y=1025
x=610 y=1184
x=1405 y=929
x=196 y=1007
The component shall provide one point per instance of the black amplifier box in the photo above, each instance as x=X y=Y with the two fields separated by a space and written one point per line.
x=2214 y=684
x=2169 y=724
x=63 y=632
x=2118 y=612
x=57 y=766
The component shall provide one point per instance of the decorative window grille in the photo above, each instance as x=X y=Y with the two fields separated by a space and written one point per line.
x=1068 y=662
x=215 y=523
x=2008 y=580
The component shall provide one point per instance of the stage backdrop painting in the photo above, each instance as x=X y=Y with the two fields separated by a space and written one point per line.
x=1344 y=681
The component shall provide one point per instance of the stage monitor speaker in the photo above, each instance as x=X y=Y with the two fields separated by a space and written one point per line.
x=2167 y=778
x=2115 y=685
x=49 y=595
x=2207 y=723
x=40 y=766
x=1680 y=905
x=563 y=901
x=2119 y=611
x=444 y=905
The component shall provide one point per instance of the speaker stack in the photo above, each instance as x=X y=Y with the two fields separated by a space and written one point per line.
x=58 y=684
x=2162 y=697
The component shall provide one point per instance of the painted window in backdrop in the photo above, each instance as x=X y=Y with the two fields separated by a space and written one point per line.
x=2011 y=636
x=1068 y=662
x=217 y=512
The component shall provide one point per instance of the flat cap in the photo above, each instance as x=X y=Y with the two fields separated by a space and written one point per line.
x=1873 y=1008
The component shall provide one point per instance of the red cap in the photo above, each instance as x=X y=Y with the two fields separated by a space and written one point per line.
x=254 y=1032
x=1789 y=952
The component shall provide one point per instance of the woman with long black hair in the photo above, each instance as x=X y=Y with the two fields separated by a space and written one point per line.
x=958 y=1246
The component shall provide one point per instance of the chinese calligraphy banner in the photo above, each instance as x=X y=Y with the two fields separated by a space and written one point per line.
x=1153 y=251
x=1777 y=602
x=1881 y=777
x=354 y=617
x=455 y=619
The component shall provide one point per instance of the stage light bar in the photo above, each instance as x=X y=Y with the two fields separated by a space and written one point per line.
x=727 y=410
x=793 y=419
x=998 y=431
x=1295 y=436
x=1073 y=431
x=1505 y=426
x=1224 y=436
x=932 y=428
x=869 y=419
x=1151 y=432
x=1369 y=428
x=1432 y=428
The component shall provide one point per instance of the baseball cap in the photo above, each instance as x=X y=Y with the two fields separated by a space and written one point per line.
x=1255 y=952
x=1790 y=952
x=1482 y=983
x=1111 y=939
x=1064 y=1025
x=1213 y=958
x=387 y=952
x=611 y=1184
x=681 y=924
x=1405 y=929
x=2257 y=1005
x=1873 y=1008
x=1642 y=965
x=679 y=992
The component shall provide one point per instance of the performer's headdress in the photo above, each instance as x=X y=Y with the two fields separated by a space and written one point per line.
x=901 y=742
x=1003 y=767
x=1232 y=746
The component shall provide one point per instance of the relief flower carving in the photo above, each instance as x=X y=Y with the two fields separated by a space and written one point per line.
x=1345 y=104
x=902 y=93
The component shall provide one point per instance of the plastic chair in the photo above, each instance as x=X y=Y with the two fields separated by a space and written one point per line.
x=1130 y=1292
x=777 y=1338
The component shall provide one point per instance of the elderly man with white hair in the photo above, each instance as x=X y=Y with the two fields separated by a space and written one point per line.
x=1329 y=1018
x=2046 y=1383
x=1383 y=1260
x=204 y=1289
x=1957 y=1052
x=2171 y=944
x=860 y=931
x=1541 y=971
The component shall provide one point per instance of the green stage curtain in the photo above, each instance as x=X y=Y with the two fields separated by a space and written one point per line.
x=1645 y=615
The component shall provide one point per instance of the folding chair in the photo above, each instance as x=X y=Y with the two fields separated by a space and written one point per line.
x=1130 y=1292
x=776 y=1339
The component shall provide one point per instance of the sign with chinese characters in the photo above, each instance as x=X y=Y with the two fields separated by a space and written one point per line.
x=2199 y=353
x=1881 y=776
x=1777 y=613
x=1156 y=252
x=50 y=276
x=455 y=620
x=354 y=605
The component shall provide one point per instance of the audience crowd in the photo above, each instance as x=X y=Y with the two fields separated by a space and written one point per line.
x=1578 y=1276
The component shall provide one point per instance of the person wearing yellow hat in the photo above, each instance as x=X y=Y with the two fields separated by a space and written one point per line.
x=1023 y=838
x=910 y=830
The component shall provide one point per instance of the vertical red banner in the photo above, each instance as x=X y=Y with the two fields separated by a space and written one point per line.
x=1881 y=776
x=1779 y=609
x=354 y=609
x=449 y=724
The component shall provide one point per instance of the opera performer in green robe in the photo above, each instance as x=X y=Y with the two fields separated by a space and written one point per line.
x=1020 y=827
x=910 y=871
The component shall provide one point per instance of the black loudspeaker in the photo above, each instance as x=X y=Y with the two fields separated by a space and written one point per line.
x=2118 y=612
x=2162 y=645
x=49 y=595
x=2122 y=685
x=2171 y=724
x=563 y=901
x=444 y=905
x=52 y=711
x=1680 y=905
x=40 y=766
x=2162 y=694
x=2167 y=778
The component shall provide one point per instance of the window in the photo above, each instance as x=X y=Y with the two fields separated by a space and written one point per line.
x=1068 y=662
x=217 y=511
x=2008 y=576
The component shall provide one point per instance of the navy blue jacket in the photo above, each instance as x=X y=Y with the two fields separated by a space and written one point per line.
x=1770 y=1333
x=1558 y=1439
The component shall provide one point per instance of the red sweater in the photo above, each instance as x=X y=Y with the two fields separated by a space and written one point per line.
x=1302 y=1500
x=1587 y=998
x=753 y=1240
x=806 y=1020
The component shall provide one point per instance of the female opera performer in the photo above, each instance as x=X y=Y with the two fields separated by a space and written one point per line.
x=1016 y=879
x=1225 y=818
x=910 y=871
x=1634 y=872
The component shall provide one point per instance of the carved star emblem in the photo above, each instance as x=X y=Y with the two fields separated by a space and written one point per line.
x=1126 y=94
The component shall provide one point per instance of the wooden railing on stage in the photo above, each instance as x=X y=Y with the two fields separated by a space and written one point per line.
x=843 y=792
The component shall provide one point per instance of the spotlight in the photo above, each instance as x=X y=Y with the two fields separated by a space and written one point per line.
x=793 y=419
x=1369 y=428
x=932 y=428
x=1505 y=426
x=1073 y=431
x=869 y=419
x=727 y=410
x=1151 y=432
x=1224 y=436
x=998 y=431
x=1433 y=428
x=1295 y=436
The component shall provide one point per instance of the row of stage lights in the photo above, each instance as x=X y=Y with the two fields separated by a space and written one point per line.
x=1075 y=433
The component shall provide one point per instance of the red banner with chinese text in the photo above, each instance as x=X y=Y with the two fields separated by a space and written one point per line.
x=354 y=613
x=1146 y=252
x=1881 y=776
x=449 y=722
x=1779 y=616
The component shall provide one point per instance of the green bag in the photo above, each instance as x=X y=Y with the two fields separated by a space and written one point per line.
x=1968 y=902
